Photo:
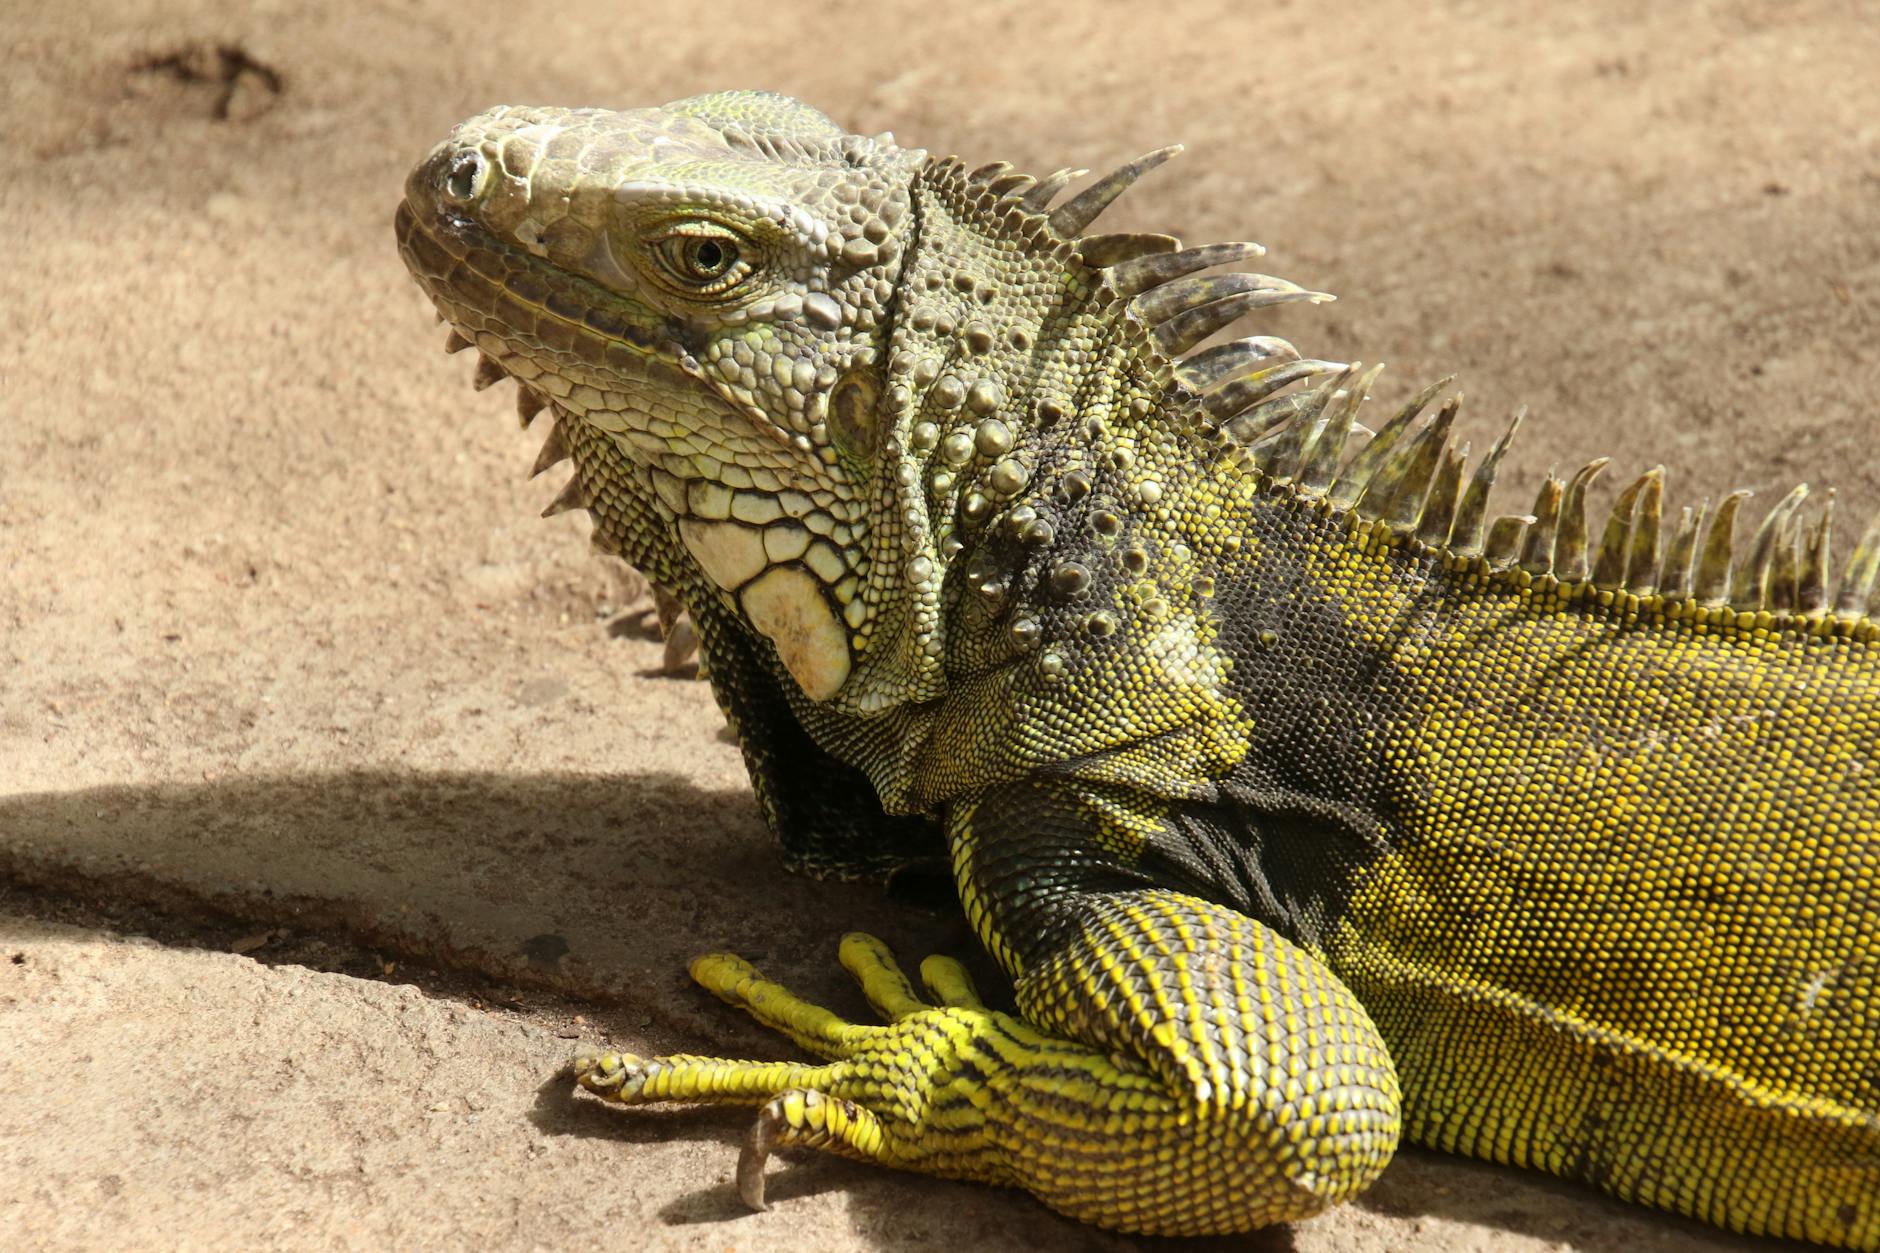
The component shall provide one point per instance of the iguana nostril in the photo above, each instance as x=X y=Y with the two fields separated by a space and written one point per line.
x=463 y=176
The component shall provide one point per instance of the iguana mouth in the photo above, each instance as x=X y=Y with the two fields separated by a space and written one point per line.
x=511 y=305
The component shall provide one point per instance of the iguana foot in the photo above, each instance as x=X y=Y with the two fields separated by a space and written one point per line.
x=879 y=1096
x=952 y=1088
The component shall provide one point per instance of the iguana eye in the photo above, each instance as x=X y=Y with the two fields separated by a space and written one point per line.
x=709 y=258
x=701 y=259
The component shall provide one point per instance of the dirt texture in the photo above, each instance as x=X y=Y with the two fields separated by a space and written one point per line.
x=340 y=797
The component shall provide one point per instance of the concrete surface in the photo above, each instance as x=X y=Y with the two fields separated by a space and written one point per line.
x=338 y=797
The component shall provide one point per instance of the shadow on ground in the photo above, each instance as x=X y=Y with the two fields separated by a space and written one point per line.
x=598 y=887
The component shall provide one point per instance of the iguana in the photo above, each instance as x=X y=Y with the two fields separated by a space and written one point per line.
x=1306 y=802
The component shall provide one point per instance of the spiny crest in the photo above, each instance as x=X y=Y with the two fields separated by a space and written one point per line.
x=1410 y=476
x=1164 y=290
x=1013 y=204
x=1408 y=481
x=1005 y=188
x=1022 y=204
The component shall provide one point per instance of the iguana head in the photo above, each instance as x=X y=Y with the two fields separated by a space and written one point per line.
x=710 y=283
x=829 y=364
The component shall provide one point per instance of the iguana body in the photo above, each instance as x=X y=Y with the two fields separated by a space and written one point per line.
x=1305 y=805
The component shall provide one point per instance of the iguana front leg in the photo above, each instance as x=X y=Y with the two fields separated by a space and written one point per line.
x=1179 y=1067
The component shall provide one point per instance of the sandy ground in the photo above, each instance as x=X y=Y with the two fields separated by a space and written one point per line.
x=338 y=797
